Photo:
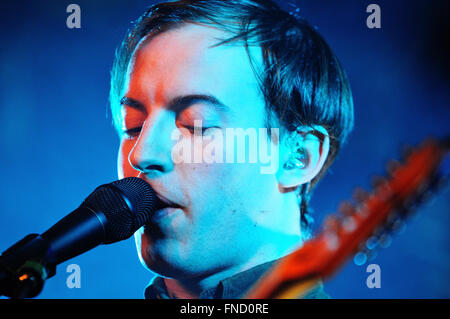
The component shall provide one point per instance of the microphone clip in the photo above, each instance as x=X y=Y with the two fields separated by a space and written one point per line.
x=25 y=279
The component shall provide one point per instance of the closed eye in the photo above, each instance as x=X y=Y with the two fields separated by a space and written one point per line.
x=133 y=132
x=202 y=129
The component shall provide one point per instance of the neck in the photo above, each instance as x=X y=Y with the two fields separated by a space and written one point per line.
x=191 y=288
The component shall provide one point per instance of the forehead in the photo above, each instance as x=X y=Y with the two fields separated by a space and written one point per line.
x=185 y=61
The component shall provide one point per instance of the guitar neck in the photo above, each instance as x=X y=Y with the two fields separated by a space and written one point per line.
x=373 y=216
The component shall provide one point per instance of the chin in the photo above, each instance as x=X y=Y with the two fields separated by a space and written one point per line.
x=164 y=261
x=160 y=259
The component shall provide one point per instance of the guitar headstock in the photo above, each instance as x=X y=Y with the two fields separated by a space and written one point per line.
x=362 y=223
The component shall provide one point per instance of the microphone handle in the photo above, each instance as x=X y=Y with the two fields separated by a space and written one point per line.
x=76 y=233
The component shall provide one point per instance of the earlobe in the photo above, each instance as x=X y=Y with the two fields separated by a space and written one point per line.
x=305 y=153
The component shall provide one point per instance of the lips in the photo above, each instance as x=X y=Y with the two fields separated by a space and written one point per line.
x=165 y=202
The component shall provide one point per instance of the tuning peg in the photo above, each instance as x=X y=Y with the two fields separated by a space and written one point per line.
x=360 y=258
x=346 y=208
x=398 y=226
x=332 y=223
x=372 y=243
x=385 y=240
x=378 y=181
x=407 y=150
x=381 y=187
x=349 y=224
x=392 y=166
x=331 y=240
x=391 y=218
x=364 y=255
x=395 y=219
x=360 y=195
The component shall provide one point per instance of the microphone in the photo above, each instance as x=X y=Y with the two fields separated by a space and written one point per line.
x=113 y=212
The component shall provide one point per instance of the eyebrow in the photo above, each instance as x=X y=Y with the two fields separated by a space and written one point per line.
x=179 y=103
x=135 y=104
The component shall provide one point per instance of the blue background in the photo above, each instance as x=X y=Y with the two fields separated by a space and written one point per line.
x=57 y=140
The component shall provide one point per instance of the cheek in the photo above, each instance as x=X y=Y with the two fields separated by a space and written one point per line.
x=231 y=186
x=124 y=167
x=227 y=202
x=250 y=191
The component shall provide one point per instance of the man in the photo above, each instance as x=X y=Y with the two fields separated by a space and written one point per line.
x=189 y=71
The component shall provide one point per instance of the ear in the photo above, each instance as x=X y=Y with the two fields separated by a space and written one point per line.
x=313 y=142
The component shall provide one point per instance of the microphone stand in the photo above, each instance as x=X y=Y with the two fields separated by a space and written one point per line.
x=20 y=279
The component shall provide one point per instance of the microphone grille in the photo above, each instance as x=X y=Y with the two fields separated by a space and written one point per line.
x=127 y=205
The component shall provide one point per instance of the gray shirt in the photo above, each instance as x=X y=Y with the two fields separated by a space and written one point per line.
x=233 y=287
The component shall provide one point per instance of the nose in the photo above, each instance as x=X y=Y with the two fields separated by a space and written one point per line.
x=151 y=154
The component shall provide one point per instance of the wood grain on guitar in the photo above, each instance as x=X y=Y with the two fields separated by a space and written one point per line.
x=370 y=217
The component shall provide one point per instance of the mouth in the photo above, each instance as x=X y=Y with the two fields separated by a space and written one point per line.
x=164 y=208
x=165 y=202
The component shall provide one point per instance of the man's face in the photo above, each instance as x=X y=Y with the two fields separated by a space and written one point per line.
x=227 y=211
